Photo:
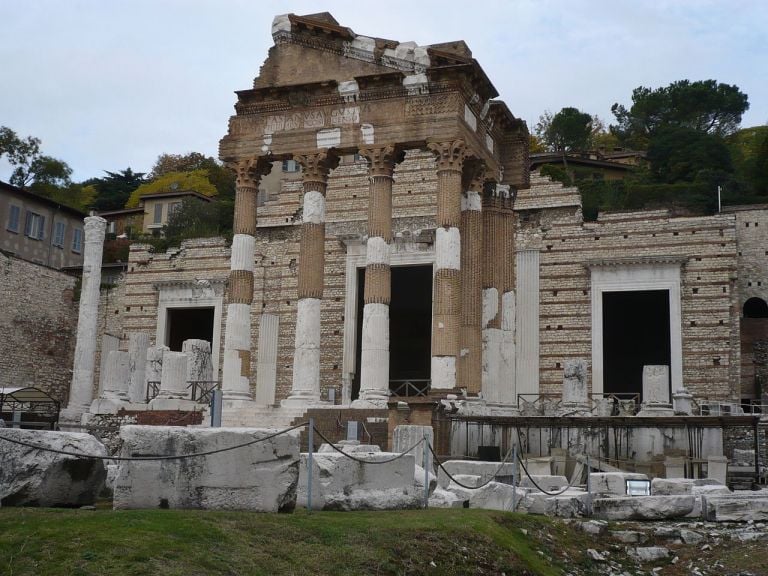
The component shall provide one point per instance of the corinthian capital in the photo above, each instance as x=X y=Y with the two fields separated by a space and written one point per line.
x=474 y=175
x=449 y=155
x=316 y=166
x=248 y=172
x=382 y=160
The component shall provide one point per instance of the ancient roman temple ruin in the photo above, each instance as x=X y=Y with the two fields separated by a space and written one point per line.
x=395 y=261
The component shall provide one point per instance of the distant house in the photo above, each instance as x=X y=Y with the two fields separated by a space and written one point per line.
x=159 y=207
x=150 y=216
x=126 y=223
x=593 y=164
x=39 y=229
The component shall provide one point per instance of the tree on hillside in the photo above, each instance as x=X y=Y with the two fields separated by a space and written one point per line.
x=705 y=106
x=222 y=178
x=568 y=130
x=32 y=169
x=195 y=181
x=115 y=188
x=685 y=155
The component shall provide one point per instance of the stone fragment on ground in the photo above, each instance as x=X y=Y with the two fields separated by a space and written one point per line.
x=260 y=477
x=373 y=482
x=650 y=553
x=486 y=470
x=642 y=507
x=34 y=477
x=612 y=483
x=442 y=498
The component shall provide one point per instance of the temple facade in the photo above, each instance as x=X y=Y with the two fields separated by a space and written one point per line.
x=390 y=242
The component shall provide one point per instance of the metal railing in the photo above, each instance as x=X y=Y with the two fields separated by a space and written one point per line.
x=200 y=390
x=409 y=388
x=153 y=389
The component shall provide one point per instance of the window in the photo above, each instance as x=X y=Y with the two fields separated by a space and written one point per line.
x=111 y=227
x=77 y=241
x=290 y=166
x=13 y=219
x=58 y=234
x=173 y=207
x=158 y=213
x=34 y=226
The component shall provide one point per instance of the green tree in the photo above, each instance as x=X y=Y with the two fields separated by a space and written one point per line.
x=222 y=178
x=684 y=154
x=705 y=106
x=115 y=188
x=32 y=169
x=568 y=130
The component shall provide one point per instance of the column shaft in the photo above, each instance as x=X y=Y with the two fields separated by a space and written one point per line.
x=470 y=359
x=81 y=390
x=236 y=376
x=374 y=368
x=447 y=282
x=305 y=388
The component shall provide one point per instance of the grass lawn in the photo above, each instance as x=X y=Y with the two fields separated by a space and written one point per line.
x=44 y=542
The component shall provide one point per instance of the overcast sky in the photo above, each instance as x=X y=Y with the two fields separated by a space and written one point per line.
x=107 y=84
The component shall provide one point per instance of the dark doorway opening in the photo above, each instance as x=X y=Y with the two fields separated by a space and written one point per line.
x=187 y=323
x=410 y=324
x=755 y=308
x=635 y=334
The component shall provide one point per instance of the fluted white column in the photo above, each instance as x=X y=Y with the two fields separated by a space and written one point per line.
x=138 y=343
x=81 y=389
x=116 y=382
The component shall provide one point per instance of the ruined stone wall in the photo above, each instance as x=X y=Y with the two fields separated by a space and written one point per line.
x=752 y=261
x=549 y=219
x=752 y=269
x=110 y=321
x=38 y=321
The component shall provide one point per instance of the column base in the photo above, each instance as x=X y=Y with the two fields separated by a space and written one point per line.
x=299 y=400
x=369 y=403
x=74 y=417
x=656 y=409
x=107 y=406
x=237 y=396
x=174 y=404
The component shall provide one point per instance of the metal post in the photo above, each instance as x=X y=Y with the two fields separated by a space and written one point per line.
x=589 y=489
x=310 y=438
x=756 y=435
x=216 y=397
x=514 y=477
x=426 y=471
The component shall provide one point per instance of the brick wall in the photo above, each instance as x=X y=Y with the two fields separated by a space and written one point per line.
x=38 y=323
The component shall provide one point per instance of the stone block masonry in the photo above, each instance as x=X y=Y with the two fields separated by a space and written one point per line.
x=549 y=220
x=39 y=320
x=261 y=477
